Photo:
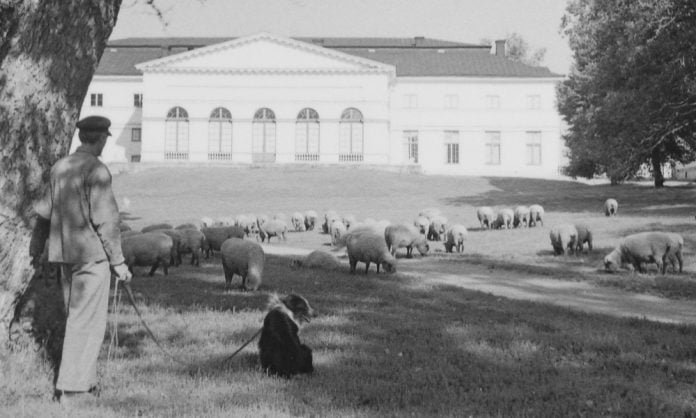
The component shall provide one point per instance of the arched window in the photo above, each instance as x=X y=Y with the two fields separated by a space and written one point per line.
x=220 y=134
x=350 y=145
x=264 y=136
x=307 y=135
x=176 y=140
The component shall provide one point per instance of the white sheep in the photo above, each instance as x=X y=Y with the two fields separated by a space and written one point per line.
x=337 y=230
x=349 y=221
x=611 y=207
x=647 y=247
x=329 y=217
x=455 y=237
x=563 y=237
x=486 y=216
x=310 y=220
x=536 y=215
x=298 y=221
x=504 y=218
x=261 y=219
x=244 y=258
x=584 y=236
x=273 y=228
x=405 y=236
x=368 y=247
x=521 y=217
x=437 y=228
x=422 y=223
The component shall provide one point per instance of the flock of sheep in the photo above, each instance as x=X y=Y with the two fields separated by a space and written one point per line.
x=369 y=241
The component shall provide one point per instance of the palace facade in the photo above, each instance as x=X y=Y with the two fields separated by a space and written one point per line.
x=446 y=107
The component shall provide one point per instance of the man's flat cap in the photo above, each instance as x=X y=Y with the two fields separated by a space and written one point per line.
x=94 y=124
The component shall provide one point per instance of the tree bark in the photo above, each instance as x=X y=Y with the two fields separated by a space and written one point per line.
x=49 y=50
x=656 y=161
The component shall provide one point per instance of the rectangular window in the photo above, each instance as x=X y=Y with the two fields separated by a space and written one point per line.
x=452 y=147
x=492 y=101
x=136 y=134
x=135 y=158
x=410 y=101
x=493 y=148
x=451 y=101
x=138 y=100
x=533 y=101
x=534 y=148
x=411 y=146
x=96 y=100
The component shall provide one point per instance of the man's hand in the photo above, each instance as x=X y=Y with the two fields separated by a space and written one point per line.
x=121 y=272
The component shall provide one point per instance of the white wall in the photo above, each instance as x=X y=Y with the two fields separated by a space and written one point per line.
x=117 y=105
x=471 y=118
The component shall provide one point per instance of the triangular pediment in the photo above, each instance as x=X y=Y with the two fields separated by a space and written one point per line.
x=263 y=53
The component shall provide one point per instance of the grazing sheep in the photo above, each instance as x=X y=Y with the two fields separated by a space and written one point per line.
x=273 y=228
x=248 y=223
x=504 y=218
x=319 y=259
x=647 y=247
x=437 y=228
x=400 y=236
x=430 y=213
x=455 y=237
x=329 y=217
x=584 y=236
x=310 y=220
x=562 y=237
x=147 y=249
x=193 y=242
x=368 y=247
x=215 y=236
x=298 y=221
x=337 y=229
x=611 y=207
x=187 y=226
x=422 y=224
x=536 y=215
x=521 y=217
x=154 y=227
x=177 y=241
x=280 y=350
x=486 y=216
x=244 y=258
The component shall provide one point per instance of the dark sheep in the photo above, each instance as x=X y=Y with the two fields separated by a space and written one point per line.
x=193 y=242
x=155 y=227
x=148 y=249
x=216 y=235
x=244 y=258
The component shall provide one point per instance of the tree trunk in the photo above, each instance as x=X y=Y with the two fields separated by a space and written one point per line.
x=656 y=161
x=49 y=50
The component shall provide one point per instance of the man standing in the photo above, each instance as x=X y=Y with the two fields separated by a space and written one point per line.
x=81 y=219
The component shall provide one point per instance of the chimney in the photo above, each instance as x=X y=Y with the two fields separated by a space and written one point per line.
x=418 y=41
x=500 y=48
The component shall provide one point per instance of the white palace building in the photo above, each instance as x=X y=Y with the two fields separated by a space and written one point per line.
x=445 y=107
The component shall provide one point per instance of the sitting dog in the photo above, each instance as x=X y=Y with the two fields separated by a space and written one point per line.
x=280 y=350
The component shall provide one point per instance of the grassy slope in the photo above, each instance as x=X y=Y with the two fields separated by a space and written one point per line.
x=385 y=345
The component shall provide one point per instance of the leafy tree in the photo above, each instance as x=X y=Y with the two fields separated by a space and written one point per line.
x=518 y=49
x=49 y=50
x=631 y=96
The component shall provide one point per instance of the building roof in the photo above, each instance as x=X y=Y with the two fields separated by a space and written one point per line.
x=412 y=57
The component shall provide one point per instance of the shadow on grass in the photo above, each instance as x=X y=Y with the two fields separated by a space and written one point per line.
x=567 y=196
x=384 y=345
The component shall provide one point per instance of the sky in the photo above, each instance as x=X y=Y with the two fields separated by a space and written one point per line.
x=468 y=21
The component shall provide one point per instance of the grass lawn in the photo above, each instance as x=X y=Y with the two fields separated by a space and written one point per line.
x=388 y=345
